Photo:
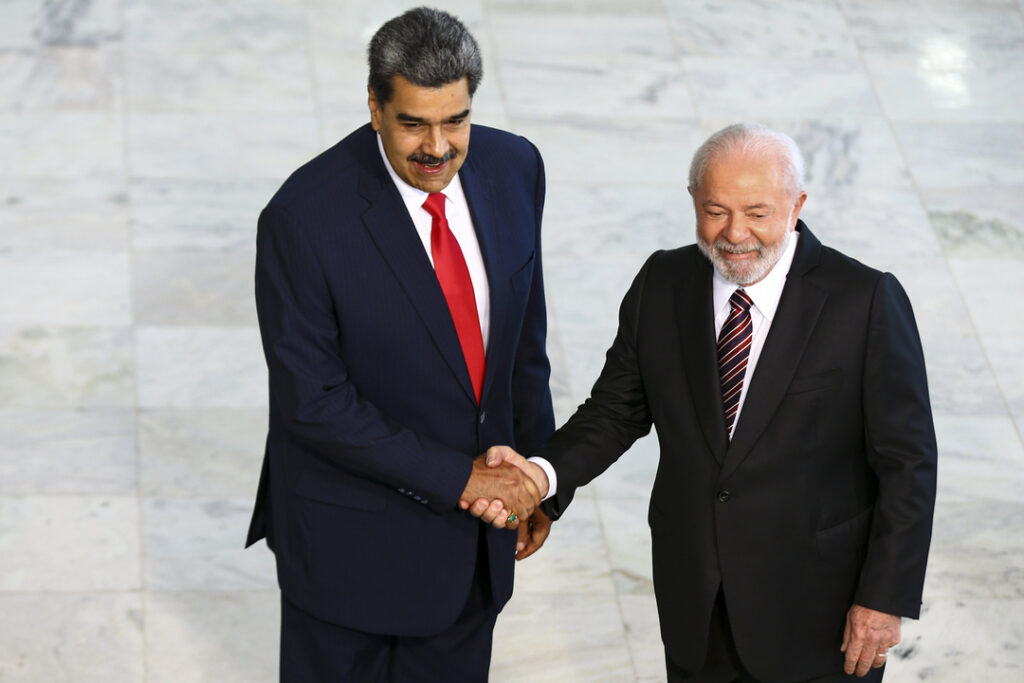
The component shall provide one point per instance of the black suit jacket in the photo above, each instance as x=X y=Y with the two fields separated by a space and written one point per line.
x=824 y=496
x=373 y=419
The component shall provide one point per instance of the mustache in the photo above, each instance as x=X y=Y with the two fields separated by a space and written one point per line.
x=728 y=247
x=432 y=160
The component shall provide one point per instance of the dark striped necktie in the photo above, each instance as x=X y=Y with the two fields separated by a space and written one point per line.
x=733 y=352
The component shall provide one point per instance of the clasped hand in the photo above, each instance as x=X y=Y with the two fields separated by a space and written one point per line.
x=503 y=482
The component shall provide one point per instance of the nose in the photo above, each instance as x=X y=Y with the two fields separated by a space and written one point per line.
x=736 y=230
x=436 y=145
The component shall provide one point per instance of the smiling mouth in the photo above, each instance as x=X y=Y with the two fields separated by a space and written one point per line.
x=430 y=164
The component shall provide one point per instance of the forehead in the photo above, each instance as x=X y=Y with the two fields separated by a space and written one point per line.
x=744 y=173
x=428 y=103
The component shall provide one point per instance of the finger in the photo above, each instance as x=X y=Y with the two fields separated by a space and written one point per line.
x=502 y=520
x=867 y=658
x=853 y=651
x=464 y=504
x=846 y=637
x=538 y=534
x=492 y=511
x=879 y=661
x=522 y=538
x=479 y=506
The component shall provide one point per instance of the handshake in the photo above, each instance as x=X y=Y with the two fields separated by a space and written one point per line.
x=504 y=490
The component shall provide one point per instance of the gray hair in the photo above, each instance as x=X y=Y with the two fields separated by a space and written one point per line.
x=755 y=139
x=428 y=47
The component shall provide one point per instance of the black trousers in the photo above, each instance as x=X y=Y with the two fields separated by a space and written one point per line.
x=315 y=651
x=723 y=663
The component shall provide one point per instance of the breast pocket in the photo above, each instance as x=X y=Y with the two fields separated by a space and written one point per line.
x=802 y=384
x=520 y=280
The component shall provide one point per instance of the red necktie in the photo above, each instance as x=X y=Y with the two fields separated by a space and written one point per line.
x=733 y=351
x=452 y=273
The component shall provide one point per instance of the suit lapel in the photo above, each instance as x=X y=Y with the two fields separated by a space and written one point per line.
x=791 y=329
x=696 y=321
x=391 y=228
x=479 y=197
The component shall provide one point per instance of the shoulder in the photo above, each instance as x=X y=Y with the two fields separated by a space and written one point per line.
x=492 y=144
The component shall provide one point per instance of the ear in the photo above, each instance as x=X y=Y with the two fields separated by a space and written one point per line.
x=799 y=204
x=376 y=109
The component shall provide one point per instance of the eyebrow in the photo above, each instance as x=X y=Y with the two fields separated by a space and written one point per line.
x=408 y=118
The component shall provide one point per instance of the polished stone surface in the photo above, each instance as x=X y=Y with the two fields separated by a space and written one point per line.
x=140 y=138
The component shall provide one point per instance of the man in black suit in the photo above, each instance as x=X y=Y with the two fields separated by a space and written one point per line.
x=792 y=510
x=401 y=307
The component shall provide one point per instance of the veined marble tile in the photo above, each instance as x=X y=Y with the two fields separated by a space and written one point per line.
x=602 y=6
x=73 y=213
x=71 y=637
x=648 y=88
x=197 y=544
x=28 y=23
x=916 y=25
x=66 y=367
x=583 y=221
x=211 y=78
x=193 y=287
x=200 y=452
x=643 y=635
x=561 y=637
x=67 y=287
x=1003 y=351
x=962 y=155
x=979 y=455
x=628 y=536
x=985 y=284
x=573 y=560
x=977 y=550
x=785 y=87
x=632 y=476
x=750 y=28
x=961 y=641
x=213 y=636
x=220 y=146
x=60 y=78
x=198 y=214
x=585 y=350
x=960 y=379
x=62 y=145
x=613 y=153
x=589 y=296
x=557 y=34
x=937 y=302
x=198 y=367
x=946 y=82
x=48 y=451
x=970 y=224
x=64 y=543
x=352 y=24
x=184 y=24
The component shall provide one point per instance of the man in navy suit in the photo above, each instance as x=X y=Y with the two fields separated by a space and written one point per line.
x=401 y=308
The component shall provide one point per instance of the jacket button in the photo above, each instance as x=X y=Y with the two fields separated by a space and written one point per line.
x=723 y=496
x=483 y=416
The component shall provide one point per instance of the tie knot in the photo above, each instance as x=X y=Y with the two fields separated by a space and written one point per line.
x=434 y=204
x=741 y=300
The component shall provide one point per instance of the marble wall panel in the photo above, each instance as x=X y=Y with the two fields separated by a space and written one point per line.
x=936 y=299
x=61 y=78
x=945 y=82
x=643 y=635
x=266 y=24
x=228 y=146
x=71 y=637
x=1004 y=354
x=750 y=28
x=212 y=636
x=42 y=536
x=991 y=290
x=978 y=224
x=68 y=287
x=29 y=24
x=198 y=367
x=66 y=367
x=558 y=34
x=979 y=454
x=351 y=25
x=198 y=544
x=632 y=476
x=46 y=451
x=627 y=534
x=960 y=378
x=194 y=287
x=961 y=155
x=78 y=213
x=561 y=637
x=162 y=78
x=737 y=88
x=78 y=144
x=206 y=452
x=589 y=296
x=647 y=88
x=912 y=26
x=198 y=214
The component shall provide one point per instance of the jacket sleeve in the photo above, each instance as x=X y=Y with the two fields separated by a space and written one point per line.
x=612 y=419
x=901 y=450
x=533 y=416
x=309 y=384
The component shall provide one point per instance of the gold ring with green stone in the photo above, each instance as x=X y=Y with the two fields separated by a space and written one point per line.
x=511 y=517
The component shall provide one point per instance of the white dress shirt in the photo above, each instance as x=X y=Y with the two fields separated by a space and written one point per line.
x=765 y=295
x=456 y=211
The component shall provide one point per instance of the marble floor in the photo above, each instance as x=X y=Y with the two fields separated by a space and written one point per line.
x=140 y=138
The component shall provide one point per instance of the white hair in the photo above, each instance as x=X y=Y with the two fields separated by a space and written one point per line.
x=753 y=139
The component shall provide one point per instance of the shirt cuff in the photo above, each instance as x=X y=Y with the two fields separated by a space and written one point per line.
x=550 y=471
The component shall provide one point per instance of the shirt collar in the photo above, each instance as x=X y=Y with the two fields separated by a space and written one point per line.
x=413 y=196
x=766 y=293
